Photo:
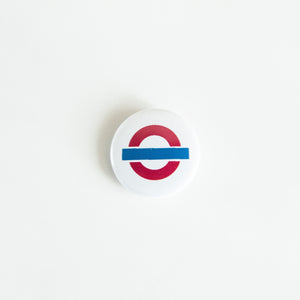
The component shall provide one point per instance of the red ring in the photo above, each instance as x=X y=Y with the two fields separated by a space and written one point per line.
x=173 y=141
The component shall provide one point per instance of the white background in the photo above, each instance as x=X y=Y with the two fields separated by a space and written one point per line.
x=71 y=72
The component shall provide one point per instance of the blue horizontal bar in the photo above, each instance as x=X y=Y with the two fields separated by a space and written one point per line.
x=155 y=153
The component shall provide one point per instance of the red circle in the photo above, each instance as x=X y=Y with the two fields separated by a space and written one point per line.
x=173 y=141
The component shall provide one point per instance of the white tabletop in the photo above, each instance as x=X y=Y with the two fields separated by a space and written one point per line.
x=71 y=72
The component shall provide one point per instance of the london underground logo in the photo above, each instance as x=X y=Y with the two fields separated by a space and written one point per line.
x=134 y=153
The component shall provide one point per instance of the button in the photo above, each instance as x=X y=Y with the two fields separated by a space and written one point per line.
x=155 y=153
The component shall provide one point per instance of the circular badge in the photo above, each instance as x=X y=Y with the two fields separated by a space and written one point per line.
x=154 y=153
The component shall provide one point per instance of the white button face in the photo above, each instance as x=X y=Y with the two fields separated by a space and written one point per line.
x=155 y=153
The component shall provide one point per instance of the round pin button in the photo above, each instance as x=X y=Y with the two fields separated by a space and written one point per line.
x=155 y=153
